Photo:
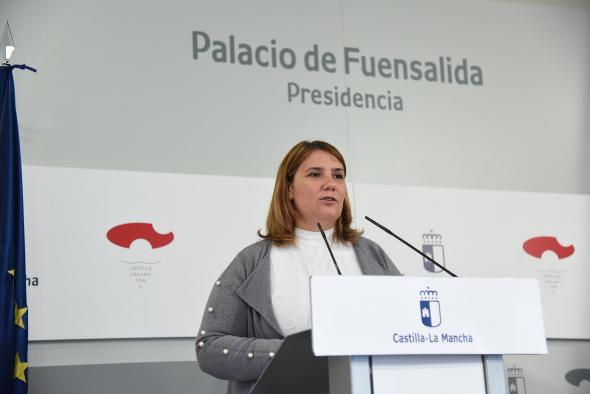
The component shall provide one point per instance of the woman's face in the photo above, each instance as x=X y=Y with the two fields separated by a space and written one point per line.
x=318 y=190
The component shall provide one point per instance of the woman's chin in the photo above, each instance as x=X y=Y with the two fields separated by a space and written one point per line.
x=327 y=221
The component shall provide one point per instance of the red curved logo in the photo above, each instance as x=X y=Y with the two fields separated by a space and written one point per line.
x=539 y=245
x=124 y=234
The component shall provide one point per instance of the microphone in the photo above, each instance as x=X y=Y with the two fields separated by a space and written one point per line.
x=329 y=249
x=388 y=231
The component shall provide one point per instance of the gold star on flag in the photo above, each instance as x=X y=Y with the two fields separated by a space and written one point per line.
x=11 y=272
x=18 y=315
x=19 y=369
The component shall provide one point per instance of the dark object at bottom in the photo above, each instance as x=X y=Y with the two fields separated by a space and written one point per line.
x=295 y=369
x=577 y=376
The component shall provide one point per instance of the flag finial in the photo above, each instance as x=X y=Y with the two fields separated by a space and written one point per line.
x=7 y=43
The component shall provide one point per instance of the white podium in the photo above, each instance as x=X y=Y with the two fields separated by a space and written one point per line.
x=419 y=335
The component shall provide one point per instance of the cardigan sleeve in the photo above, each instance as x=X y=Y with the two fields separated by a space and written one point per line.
x=223 y=346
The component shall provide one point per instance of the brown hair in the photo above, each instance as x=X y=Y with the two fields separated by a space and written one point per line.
x=280 y=222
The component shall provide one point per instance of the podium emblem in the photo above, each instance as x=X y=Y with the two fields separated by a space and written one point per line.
x=516 y=384
x=432 y=247
x=430 y=308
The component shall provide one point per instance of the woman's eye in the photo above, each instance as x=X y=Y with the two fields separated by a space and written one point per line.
x=339 y=176
x=314 y=174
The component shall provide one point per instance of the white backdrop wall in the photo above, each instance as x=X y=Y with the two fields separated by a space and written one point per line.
x=119 y=88
x=128 y=285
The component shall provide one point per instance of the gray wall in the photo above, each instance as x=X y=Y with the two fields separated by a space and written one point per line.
x=117 y=88
x=147 y=378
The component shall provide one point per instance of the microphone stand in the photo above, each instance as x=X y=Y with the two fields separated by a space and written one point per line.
x=388 y=231
x=329 y=249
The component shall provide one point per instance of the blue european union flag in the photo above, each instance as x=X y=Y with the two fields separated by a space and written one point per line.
x=13 y=290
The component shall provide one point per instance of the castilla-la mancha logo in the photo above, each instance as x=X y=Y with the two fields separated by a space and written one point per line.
x=579 y=377
x=430 y=308
x=432 y=247
x=550 y=258
x=140 y=260
x=538 y=245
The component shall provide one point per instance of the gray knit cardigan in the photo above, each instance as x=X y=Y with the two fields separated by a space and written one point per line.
x=239 y=332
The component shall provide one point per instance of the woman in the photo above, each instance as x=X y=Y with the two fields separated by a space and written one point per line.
x=263 y=295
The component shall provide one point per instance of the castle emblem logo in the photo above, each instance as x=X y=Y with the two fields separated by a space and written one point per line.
x=516 y=383
x=432 y=247
x=430 y=308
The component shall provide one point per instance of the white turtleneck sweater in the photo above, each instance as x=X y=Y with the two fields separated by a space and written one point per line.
x=291 y=268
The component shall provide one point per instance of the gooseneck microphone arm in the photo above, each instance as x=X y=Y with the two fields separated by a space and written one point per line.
x=329 y=249
x=388 y=231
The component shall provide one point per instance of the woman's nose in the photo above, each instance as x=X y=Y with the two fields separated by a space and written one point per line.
x=329 y=184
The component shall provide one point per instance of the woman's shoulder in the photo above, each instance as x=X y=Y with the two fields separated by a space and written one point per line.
x=367 y=244
x=254 y=252
x=246 y=261
x=372 y=251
